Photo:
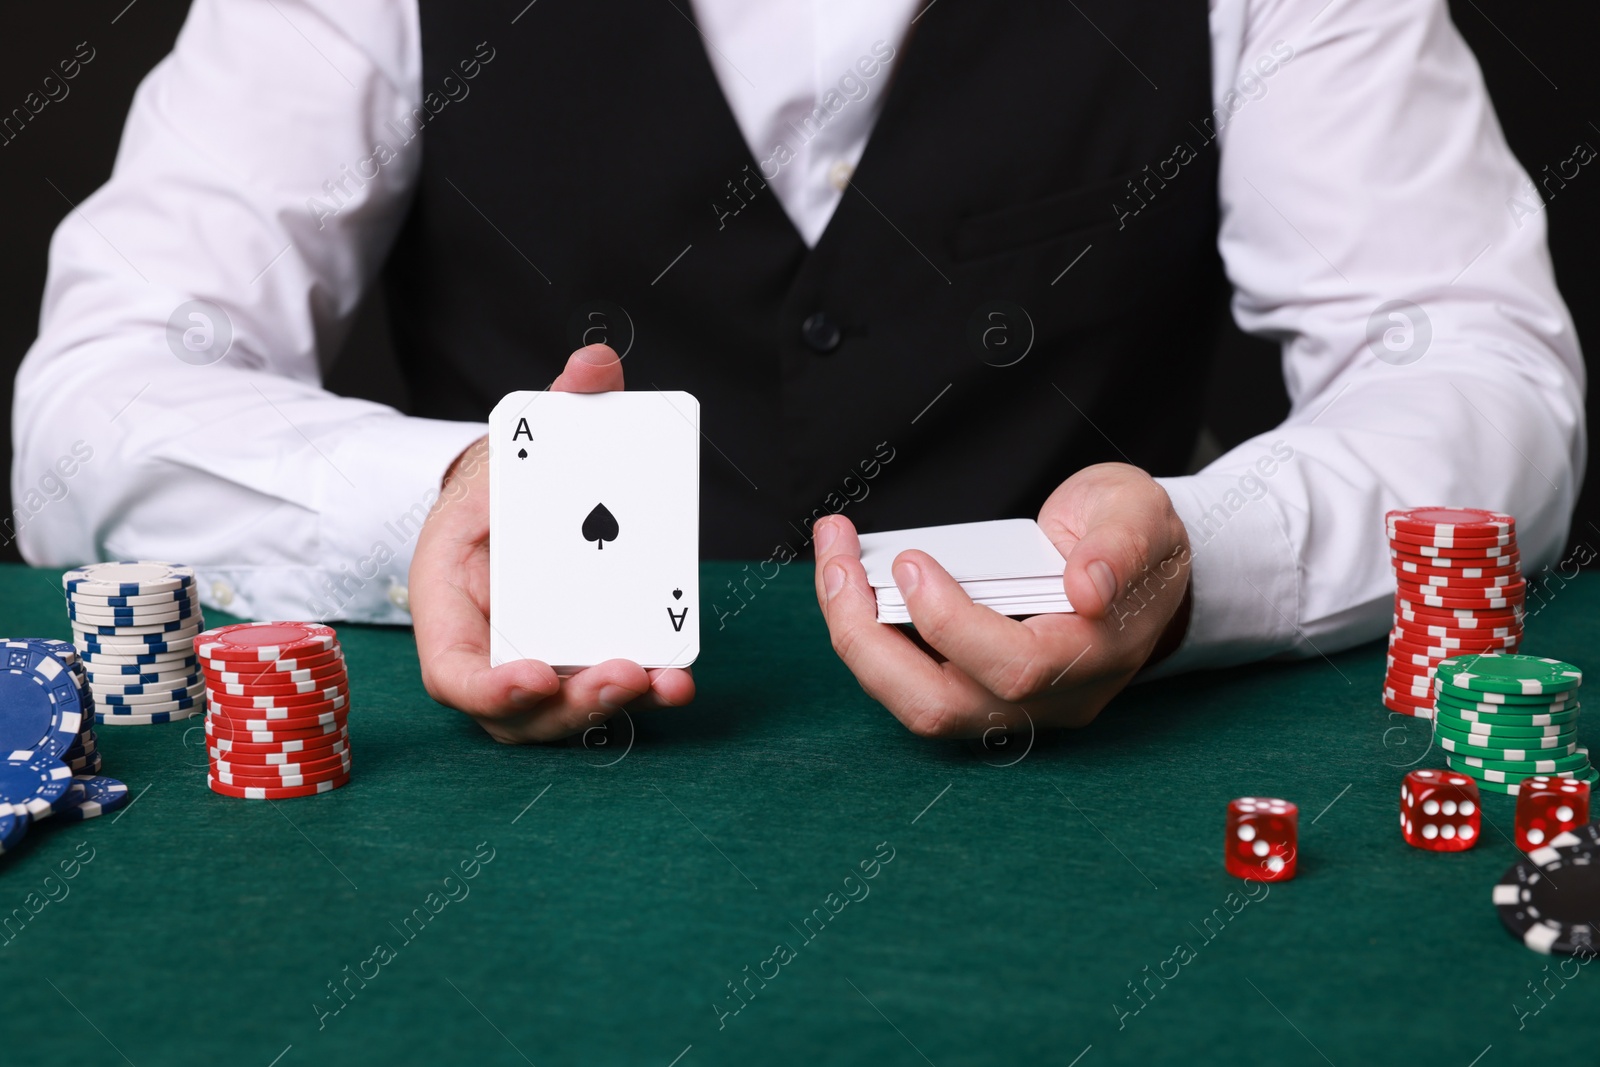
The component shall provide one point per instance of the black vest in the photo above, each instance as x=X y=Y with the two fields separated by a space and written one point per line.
x=1027 y=188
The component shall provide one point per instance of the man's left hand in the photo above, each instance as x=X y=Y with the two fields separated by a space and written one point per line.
x=1127 y=576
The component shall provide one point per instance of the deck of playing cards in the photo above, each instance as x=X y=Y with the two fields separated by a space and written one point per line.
x=1007 y=564
x=594 y=528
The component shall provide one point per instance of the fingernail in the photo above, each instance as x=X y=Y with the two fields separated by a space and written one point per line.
x=1105 y=581
x=614 y=696
x=826 y=536
x=907 y=576
x=832 y=579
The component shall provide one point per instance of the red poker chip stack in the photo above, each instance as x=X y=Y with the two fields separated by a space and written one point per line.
x=1459 y=589
x=278 y=698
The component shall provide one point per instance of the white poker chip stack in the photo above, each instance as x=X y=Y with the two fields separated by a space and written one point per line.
x=134 y=625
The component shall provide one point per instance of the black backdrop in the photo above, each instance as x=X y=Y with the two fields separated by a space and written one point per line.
x=1544 y=82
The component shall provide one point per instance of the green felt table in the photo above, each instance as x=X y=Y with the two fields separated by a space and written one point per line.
x=620 y=889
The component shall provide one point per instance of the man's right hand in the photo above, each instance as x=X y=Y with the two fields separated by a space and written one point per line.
x=523 y=700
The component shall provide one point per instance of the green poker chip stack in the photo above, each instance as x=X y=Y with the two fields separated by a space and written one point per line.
x=1503 y=718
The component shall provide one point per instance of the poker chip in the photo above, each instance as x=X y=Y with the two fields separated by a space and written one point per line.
x=1541 y=719
x=1510 y=674
x=323 y=674
x=154 y=694
x=1465 y=698
x=1501 y=752
x=1532 y=739
x=333 y=719
x=1577 y=761
x=93 y=796
x=1449 y=522
x=1411 y=600
x=1498 y=777
x=1450 y=580
x=133 y=675
x=1421 y=572
x=266 y=641
x=280 y=775
x=246 y=755
x=278 y=701
x=222 y=746
x=131 y=633
x=1499 y=727
x=263 y=670
x=244 y=696
x=277 y=793
x=1400 y=538
x=149 y=719
x=1462 y=622
x=127 y=578
x=42 y=702
x=1462 y=591
x=227 y=728
x=1512 y=789
x=1449 y=631
x=34 y=788
x=153 y=600
x=1418 y=711
x=1457 y=561
x=1549 y=899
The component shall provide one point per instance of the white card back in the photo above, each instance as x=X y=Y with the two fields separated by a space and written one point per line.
x=1000 y=548
x=594 y=512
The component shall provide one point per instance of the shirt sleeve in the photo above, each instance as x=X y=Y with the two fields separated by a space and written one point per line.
x=264 y=171
x=1375 y=221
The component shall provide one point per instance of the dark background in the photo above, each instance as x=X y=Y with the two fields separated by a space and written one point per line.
x=1536 y=58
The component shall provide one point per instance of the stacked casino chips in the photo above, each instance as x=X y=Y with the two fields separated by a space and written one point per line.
x=1504 y=718
x=83 y=755
x=1459 y=589
x=134 y=624
x=51 y=763
x=278 y=698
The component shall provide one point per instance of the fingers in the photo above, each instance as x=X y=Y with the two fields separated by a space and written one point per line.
x=669 y=688
x=1118 y=526
x=593 y=369
x=930 y=700
x=1010 y=660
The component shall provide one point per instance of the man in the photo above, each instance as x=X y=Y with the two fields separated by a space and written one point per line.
x=829 y=221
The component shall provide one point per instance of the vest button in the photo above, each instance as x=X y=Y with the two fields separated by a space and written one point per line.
x=820 y=332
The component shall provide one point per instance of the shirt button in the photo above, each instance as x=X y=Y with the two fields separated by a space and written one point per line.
x=839 y=175
x=820 y=332
x=400 y=597
x=222 y=593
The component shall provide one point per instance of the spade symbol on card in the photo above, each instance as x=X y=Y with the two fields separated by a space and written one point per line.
x=600 y=526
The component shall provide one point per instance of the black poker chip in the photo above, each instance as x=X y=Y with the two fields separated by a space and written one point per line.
x=1550 y=900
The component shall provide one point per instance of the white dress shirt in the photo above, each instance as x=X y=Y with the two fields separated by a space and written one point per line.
x=1360 y=163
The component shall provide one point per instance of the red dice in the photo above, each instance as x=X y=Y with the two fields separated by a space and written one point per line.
x=1547 y=805
x=1262 y=833
x=1439 y=811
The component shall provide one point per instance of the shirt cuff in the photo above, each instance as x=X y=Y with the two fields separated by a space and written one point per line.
x=1244 y=576
x=371 y=497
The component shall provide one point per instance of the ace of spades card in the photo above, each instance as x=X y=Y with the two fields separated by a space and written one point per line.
x=594 y=535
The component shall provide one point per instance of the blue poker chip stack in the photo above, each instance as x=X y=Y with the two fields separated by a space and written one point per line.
x=134 y=623
x=49 y=755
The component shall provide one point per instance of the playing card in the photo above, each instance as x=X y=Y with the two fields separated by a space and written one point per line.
x=594 y=503
x=1001 y=548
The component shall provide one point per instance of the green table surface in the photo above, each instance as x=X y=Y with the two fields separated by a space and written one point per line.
x=632 y=884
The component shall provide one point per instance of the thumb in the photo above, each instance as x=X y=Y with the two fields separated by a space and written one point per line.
x=592 y=369
x=1127 y=533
